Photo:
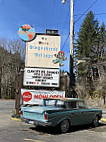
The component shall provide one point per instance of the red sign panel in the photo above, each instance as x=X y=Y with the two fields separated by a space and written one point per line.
x=27 y=96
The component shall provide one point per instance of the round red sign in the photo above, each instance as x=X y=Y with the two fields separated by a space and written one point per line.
x=27 y=96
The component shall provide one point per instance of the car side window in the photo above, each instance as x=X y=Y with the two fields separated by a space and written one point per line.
x=60 y=103
x=72 y=105
x=81 y=105
x=50 y=102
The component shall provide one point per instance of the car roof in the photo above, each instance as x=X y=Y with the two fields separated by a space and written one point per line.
x=64 y=99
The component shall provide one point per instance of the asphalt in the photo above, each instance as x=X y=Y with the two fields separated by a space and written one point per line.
x=16 y=131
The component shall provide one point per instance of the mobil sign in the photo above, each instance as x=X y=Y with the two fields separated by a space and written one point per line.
x=36 y=96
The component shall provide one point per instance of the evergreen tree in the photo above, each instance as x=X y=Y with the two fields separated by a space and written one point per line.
x=101 y=41
x=91 y=48
x=87 y=36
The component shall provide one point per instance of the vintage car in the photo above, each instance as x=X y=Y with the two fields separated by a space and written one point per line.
x=63 y=112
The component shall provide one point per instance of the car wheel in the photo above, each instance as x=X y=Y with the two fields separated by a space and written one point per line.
x=64 y=126
x=36 y=126
x=95 y=121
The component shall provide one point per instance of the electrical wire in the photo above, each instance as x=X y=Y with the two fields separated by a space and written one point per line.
x=85 y=11
x=78 y=20
x=65 y=22
x=65 y=41
x=94 y=14
x=79 y=15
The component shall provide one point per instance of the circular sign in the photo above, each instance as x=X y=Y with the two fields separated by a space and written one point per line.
x=27 y=96
x=26 y=32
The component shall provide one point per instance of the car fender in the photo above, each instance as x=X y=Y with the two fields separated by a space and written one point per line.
x=66 y=118
x=97 y=114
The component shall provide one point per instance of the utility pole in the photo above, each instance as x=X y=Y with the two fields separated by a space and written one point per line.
x=71 y=41
x=71 y=26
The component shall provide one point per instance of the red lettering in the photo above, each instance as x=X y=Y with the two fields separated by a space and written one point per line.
x=54 y=96
x=40 y=96
x=36 y=96
x=45 y=96
x=51 y=96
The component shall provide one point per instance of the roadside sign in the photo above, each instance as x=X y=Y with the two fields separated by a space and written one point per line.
x=40 y=51
x=41 y=77
x=36 y=96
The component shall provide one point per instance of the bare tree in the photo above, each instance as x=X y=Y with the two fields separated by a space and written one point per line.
x=12 y=53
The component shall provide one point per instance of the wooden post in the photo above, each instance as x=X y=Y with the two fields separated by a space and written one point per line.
x=18 y=91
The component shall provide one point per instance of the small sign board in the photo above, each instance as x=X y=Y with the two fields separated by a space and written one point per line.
x=36 y=96
x=26 y=32
x=41 y=77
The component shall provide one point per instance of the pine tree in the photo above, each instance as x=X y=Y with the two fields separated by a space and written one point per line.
x=90 y=47
x=86 y=36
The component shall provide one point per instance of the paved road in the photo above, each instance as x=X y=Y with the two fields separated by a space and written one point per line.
x=13 y=131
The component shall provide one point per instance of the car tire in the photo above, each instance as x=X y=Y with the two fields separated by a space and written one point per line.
x=64 y=126
x=36 y=126
x=95 y=122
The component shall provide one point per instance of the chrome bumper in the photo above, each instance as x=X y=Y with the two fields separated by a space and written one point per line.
x=36 y=122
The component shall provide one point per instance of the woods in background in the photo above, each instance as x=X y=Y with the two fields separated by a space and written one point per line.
x=12 y=54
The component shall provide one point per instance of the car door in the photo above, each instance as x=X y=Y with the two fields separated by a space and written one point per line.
x=74 y=113
x=85 y=114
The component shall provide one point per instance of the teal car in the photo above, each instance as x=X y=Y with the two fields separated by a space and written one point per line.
x=63 y=112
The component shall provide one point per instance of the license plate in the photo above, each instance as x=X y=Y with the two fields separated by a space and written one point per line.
x=31 y=122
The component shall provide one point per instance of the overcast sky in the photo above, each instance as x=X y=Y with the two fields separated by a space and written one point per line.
x=46 y=14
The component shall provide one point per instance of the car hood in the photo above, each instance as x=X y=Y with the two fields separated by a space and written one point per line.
x=40 y=109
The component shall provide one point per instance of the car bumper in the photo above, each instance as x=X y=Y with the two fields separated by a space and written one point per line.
x=36 y=122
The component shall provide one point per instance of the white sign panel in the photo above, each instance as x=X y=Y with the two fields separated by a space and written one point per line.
x=40 y=52
x=36 y=96
x=41 y=77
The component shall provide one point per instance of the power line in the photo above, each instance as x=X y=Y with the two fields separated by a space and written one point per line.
x=81 y=14
x=63 y=29
x=77 y=21
x=94 y=14
x=65 y=41
x=85 y=11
